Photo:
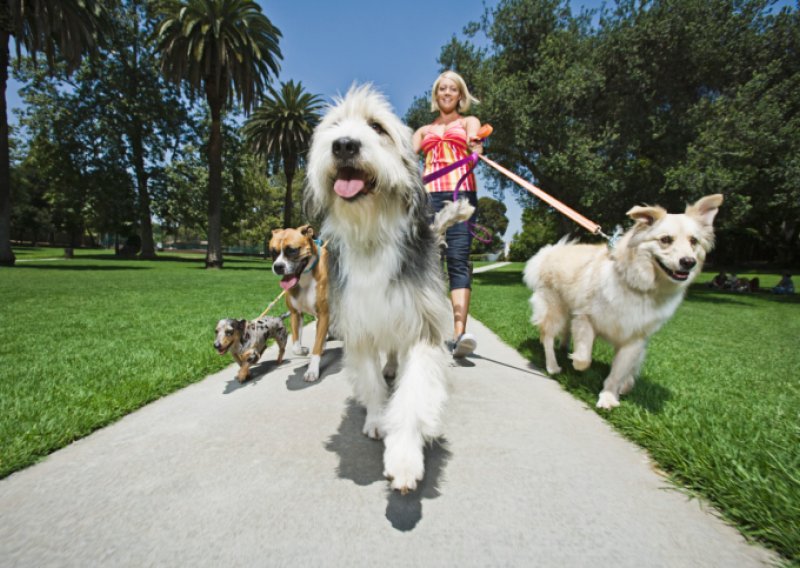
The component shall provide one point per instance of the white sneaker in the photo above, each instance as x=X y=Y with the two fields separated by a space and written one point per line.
x=465 y=345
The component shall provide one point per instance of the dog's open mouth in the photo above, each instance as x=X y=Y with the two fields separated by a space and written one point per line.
x=351 y=183
x=677 y=275
x=289 y=281
x=223 y=349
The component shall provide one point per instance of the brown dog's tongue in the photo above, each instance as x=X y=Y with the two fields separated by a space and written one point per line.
x=349 y=183
x=289 y=282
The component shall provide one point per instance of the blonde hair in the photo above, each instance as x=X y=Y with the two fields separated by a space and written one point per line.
x=466 y=98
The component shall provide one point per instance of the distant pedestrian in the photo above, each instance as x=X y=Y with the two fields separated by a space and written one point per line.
x=785 y=286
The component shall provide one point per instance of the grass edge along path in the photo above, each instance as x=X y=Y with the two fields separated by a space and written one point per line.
x=717 y=405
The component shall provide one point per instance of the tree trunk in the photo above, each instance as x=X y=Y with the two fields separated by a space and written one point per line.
x=214 y=252
x=145 y=218
x=7 y=257
x=288 y=203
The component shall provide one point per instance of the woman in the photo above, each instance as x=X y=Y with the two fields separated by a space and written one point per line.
x=444 y=141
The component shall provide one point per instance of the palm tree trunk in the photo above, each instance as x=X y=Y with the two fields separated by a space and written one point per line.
x=7 y=257
x=288 y=203
x=214 y=252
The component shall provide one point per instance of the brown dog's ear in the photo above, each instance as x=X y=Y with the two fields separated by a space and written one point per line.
x=705 y=208
x=276 y=231
x=646 y=215
x=307 y=231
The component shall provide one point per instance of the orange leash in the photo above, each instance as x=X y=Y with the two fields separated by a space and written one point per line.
x=590 y=226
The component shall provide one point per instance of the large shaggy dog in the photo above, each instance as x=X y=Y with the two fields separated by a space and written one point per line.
x=624 y=294
x=387 y=290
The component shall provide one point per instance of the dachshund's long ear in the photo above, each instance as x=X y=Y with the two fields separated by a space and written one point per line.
x=706 y=208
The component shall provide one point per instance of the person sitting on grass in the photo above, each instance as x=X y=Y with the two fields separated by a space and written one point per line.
x=785 y=286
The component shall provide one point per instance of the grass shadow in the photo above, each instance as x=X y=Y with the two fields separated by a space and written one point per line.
x=79 y=267
x=646 y=394
x=361 y=461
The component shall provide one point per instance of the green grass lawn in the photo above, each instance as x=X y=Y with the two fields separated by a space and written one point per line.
x=718 y=401
x=88 y=340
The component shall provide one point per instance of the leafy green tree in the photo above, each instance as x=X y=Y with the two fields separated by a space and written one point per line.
x=61 y=29
x=492 y=216
x=226 y=50
x=280 y=131
x=539 y=228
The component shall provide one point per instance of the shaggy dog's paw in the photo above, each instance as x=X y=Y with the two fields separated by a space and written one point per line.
x=372 y=428
x=404 y=467
x=607 y=401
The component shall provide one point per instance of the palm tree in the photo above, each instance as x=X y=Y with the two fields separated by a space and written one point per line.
x=225 y=49
x=280 y=131
x=63 y=30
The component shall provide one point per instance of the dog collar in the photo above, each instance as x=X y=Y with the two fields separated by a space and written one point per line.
x=309 y=268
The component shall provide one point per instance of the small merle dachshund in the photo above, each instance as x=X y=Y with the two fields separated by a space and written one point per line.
x=247 y=340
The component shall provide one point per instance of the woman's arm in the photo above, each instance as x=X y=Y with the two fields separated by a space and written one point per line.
x=472 y=125
x=416 y=140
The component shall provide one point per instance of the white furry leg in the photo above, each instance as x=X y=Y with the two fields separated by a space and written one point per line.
x=583 y=342
x=312 y=374
x=414 y=414
x=627 y=361
x=364 y=369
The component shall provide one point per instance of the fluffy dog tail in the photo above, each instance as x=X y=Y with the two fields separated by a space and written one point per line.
x=532 y=271
x=453 y=212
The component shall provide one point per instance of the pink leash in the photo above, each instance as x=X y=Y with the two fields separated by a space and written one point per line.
x=472 y=160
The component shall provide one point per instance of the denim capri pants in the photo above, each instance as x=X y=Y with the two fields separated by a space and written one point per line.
x=458 y=238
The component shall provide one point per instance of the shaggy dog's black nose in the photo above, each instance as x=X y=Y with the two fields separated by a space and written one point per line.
x=688 y=262
x=345 y=148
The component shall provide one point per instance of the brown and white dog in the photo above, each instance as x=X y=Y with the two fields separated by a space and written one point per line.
x=624 y=294
x=302 y=264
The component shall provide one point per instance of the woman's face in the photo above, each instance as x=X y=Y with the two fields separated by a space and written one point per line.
x=447 y=95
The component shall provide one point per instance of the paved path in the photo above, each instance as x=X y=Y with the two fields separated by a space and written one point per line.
x=277 y=473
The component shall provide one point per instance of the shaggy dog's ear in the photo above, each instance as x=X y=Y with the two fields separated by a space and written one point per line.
x=706 y=208
x=646 y=215
x=307 y=231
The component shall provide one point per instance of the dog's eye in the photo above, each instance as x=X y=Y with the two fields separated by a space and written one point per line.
x=274 y=253
x=228 y=332
x=693 y=241
x=377 y=127
x=666 y=240
x=290 y=251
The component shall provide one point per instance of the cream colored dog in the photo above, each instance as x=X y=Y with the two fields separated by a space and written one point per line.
x=624 y=294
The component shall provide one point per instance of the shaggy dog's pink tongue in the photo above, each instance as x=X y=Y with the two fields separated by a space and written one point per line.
x=289 y=282
x=349 y=183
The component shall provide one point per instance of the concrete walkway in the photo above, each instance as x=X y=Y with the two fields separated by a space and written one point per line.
x=277 y=473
